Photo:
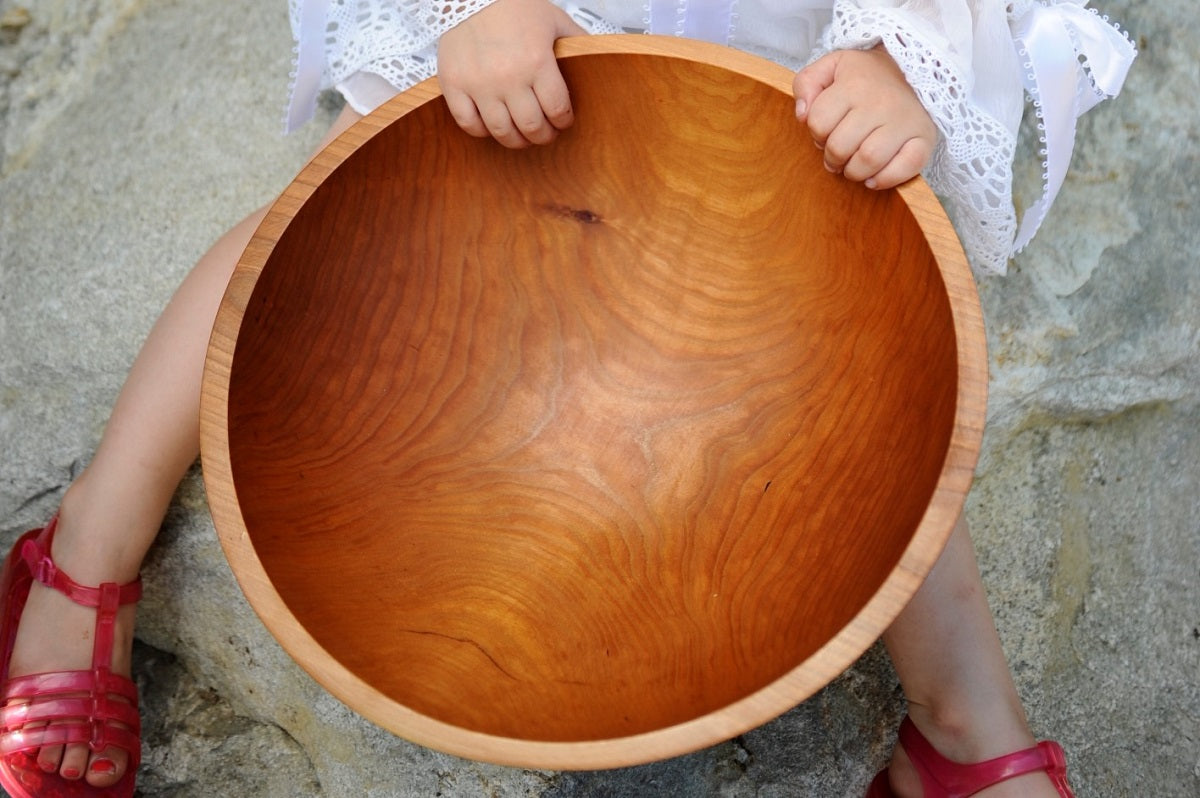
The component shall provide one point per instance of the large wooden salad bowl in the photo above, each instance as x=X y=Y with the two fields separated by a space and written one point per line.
x=600 y=452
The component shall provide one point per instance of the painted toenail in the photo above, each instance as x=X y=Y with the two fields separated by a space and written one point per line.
x=70 y=773
x=103 y=767
x=48 y=767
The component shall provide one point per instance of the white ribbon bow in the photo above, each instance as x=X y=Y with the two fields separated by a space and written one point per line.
x=1073 y=59
x=310 y=60
x=707 y=20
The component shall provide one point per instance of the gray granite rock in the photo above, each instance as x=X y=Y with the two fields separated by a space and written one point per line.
x=133 y=133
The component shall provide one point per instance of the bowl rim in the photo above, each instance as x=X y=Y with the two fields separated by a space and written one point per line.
x=806 y=678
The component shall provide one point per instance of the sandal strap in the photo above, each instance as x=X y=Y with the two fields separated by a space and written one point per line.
x=98 y=709
x=95 y=735
x=36 y=553
x=76 y=710
x=28 y=741
x=106 y=599
x=960 y=780
x=39 y=685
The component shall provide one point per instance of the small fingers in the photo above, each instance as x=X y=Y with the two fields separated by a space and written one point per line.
x=877 y=155
x=554 y=99
x=811 y=81
x=864 y=116
x=541 y=111
x=463 y=109
x=524 y=118
x=863 y=152
x=825 y=115
x=841 y=139
x=519 y=120
x=487 y=118
x=906 y=164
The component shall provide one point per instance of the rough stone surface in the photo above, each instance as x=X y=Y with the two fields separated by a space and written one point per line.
x=133 y=133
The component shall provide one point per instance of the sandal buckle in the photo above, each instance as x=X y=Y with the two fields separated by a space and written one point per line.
x=41 y=567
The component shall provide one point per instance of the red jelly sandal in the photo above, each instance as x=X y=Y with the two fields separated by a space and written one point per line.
x=942 y=778
x=95 y=707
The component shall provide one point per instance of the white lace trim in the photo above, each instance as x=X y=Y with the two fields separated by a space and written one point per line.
x=707 y=20
x=356 y=32
x=369 y=49
x=353 y=32
x=971 y=168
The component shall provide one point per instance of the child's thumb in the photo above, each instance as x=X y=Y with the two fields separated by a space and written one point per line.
x=812 y=80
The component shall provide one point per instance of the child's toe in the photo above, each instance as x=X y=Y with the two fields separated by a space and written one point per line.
x=49 y=758
x=107 y=767
x=74 y=760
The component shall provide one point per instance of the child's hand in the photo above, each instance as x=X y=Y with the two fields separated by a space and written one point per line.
x=864 y=115
x=499 y=76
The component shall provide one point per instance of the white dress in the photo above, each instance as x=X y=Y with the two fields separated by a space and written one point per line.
x=973 y=63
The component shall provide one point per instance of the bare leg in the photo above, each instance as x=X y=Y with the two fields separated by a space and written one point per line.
x=111 y=514
x=953 y=670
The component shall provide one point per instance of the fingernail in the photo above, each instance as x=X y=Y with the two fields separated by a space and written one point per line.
x=801 y=107
x=830 y=169
x=102 y=767
x=870 y=182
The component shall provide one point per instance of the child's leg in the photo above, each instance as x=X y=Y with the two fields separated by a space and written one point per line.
x=111 y=514
x=953 y=670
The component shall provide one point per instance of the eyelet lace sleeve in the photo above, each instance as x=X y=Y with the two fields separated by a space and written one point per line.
x=974 y=86
x=971 y=168
x=395 y=40
x=332 y=38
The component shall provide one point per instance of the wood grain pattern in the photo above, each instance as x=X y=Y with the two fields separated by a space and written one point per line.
x=594 y=453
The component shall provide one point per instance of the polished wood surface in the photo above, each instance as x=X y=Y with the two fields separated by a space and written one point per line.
x=600 y=452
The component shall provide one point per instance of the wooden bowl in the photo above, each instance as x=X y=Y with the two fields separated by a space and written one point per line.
x=600 y=452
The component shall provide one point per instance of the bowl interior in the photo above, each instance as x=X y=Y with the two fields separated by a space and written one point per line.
x=593 y=439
